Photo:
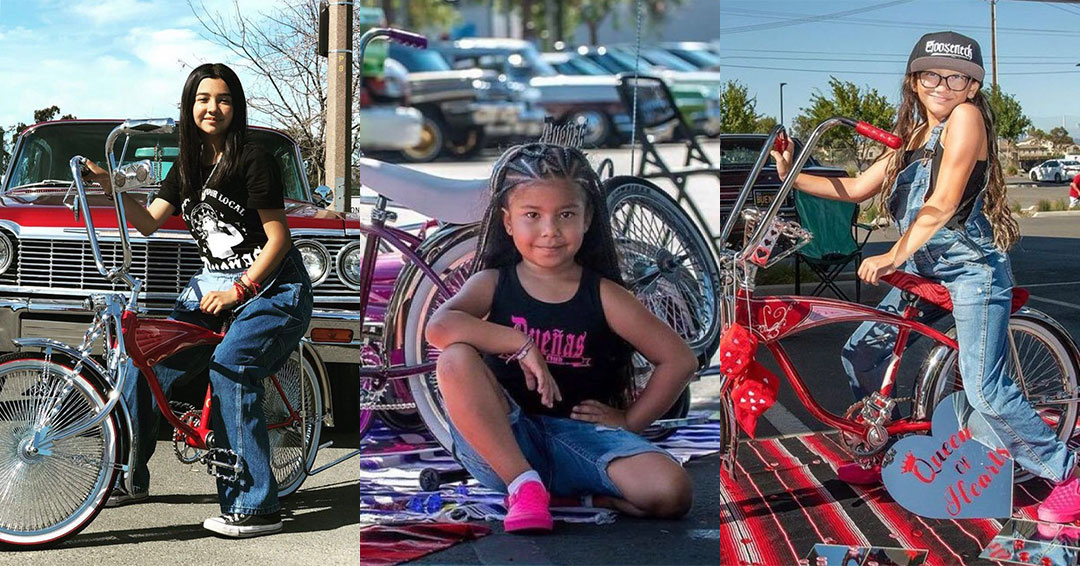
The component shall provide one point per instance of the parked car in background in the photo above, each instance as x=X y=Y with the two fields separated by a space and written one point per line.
x=47 y=271
x=1049 y=170
x=696 y=94
x=592 y=100
x=463 y=109
x=734 y=156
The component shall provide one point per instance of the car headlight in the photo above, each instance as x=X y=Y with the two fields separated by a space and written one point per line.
x=316 y=260
x=351 y=263
x=7 y=252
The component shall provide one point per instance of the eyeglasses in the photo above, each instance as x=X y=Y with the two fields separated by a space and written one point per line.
x=930 y=79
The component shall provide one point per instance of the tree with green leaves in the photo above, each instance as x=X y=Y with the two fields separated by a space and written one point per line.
x=765 y=124
x=1060 y=137
x=847 y=99
x=738 y=109
x=417 y=15
x=592 y=13
x=1009 y=119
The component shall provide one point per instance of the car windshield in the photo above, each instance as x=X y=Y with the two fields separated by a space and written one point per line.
x=742 y=153
x=581 y=66
x=45 y=152
x=418 y=60
x=617 y=62
x=666 y=60
x=702 y=59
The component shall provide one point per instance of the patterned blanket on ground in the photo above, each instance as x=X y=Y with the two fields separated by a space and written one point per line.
x=394 y=495
x=784 y=498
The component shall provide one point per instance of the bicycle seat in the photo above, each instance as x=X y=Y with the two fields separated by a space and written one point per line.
x=937 y=294
x=458 y=201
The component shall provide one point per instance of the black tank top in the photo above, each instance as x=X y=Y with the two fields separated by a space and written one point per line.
x=582 y=352
x=974 y=186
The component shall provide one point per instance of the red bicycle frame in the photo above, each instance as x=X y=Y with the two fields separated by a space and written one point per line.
x=149 y=341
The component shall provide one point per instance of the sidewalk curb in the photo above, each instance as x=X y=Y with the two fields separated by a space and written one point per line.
x=1047 y=213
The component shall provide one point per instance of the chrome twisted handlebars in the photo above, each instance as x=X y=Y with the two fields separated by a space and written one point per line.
x=128 y=177
x=737 y=266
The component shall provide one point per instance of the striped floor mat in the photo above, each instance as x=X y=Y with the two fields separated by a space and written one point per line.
x=785 y=497
x=393 y=495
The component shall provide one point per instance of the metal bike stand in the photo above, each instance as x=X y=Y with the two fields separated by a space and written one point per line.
x=363 y=451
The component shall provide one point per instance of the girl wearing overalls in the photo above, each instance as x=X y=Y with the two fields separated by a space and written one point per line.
x=946 y=192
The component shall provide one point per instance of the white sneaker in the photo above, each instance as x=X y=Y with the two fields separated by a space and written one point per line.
x=238 y=525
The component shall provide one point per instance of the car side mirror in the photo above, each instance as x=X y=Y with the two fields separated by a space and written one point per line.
x=324 y=195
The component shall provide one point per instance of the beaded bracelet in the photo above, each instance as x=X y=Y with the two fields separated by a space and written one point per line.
x=522 y=351
x=243 y=291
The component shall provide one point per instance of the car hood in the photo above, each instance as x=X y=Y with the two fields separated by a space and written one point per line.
x=46 y=208
x=437 y=86
x=574 y=88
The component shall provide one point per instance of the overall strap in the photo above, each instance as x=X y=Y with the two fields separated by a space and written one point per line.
x=931 y=142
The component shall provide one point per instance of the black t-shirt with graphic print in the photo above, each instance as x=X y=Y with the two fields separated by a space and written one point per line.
x=225 y=220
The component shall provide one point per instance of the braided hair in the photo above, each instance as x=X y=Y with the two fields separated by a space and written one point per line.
x=529 y=163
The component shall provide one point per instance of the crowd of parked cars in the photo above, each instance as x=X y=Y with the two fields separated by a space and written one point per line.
x=459 y=96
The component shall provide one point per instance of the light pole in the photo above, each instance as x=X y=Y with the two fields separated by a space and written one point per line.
x=782 y=103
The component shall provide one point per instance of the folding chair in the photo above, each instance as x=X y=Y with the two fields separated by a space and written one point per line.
x=836 y=244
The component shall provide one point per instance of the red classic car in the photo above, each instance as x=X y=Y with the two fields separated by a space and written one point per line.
x=47 y=270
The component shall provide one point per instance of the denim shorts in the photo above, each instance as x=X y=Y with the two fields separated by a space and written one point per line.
x=571 y=456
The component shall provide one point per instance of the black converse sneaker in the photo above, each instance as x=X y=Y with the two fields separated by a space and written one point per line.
x=121 y=497
x=238 y=525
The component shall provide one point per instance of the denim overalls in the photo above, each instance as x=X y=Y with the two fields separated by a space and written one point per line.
x=264 y=333
x=979 y=280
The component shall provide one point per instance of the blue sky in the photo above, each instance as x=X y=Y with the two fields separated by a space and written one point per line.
x=123 y=58
x=768 y=42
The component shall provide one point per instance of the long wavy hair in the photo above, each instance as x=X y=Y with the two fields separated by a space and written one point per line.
x=529 y=163
x=911 y=122
x=191 y=138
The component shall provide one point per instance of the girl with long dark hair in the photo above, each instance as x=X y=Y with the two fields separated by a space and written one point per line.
x=947 y=195
x=231 y=197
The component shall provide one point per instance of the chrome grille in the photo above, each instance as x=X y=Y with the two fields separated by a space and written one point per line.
x=165 y=266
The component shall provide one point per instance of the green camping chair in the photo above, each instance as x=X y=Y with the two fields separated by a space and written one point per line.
x=836 y=244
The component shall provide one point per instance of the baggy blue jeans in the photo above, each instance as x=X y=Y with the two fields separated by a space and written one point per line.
x=979 y=279
x=264 y=333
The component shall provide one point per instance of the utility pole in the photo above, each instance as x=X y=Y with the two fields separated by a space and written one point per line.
x=993 y=40
x=339 y=97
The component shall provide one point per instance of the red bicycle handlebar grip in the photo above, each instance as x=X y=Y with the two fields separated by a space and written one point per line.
x=877 y=134
x=780 y=144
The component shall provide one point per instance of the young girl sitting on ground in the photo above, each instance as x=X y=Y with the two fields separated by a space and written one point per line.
x=536 y=349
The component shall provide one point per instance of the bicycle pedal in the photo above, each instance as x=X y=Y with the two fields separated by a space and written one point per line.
x=223 y=464
x=878 y=408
